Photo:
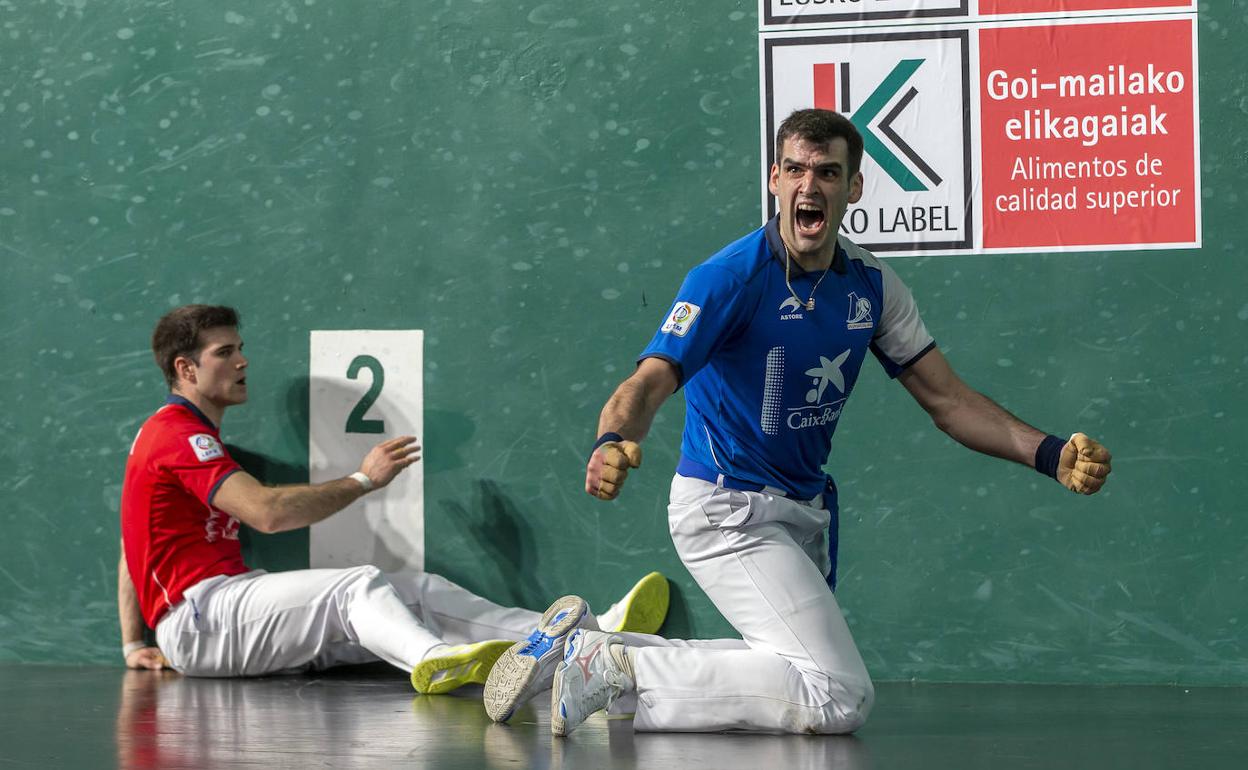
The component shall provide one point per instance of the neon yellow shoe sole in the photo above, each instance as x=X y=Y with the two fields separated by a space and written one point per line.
x=459 y=665
x=645 y=606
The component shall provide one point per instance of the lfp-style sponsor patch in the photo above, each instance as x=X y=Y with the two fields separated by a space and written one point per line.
x=682 y=317
x=206 y=447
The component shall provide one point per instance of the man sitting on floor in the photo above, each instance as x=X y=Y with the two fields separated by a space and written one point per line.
x=182 y=571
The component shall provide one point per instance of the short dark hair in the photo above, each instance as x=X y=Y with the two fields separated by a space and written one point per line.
x=821 y=127
x=177 y=334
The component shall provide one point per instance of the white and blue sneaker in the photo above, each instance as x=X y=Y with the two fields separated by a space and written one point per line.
x=526 y=667
x=594 y=672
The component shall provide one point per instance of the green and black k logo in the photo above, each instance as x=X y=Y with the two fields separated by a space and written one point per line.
x=879 y=137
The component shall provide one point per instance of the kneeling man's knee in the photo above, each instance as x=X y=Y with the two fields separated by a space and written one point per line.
x=846 y=709
x=854 y=707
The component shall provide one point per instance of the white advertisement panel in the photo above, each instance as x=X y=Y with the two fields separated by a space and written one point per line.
x=842 y=14
x=909 y=98
x=788 y=12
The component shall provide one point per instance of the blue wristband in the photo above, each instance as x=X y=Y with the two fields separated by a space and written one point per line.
x=1048 y=454
x=604 y=438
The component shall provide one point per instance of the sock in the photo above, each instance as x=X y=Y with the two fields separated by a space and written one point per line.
x=590 y=623
x=611 y=619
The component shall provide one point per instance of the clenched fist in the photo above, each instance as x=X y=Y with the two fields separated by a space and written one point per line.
x=608 y=467
x=1083 y=466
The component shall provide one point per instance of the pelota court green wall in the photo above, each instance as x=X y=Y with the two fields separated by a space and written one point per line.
x=528 y=183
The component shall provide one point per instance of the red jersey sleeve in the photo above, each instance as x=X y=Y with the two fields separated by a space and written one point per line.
x=199 y=463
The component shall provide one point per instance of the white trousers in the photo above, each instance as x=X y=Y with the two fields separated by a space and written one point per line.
x=762 y=560
x=260 y=623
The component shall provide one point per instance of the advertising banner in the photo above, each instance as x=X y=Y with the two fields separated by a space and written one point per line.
x=1020 y=135
x=838 y=14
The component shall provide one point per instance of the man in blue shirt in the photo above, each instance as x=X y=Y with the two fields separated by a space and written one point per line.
x=767 y=338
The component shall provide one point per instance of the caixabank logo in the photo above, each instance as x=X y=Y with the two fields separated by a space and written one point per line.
x=778 y=12
x=908 y=93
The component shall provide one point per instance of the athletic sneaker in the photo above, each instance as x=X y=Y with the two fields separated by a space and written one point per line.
x=594 y=672
x=642 y=609
x=526 y=667
x=453 y=666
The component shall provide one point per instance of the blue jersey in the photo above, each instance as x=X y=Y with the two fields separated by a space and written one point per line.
x=765 y=378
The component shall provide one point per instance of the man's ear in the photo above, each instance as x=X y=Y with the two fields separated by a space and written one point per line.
x=855 y=188
x=773 y=180
x=185 y=367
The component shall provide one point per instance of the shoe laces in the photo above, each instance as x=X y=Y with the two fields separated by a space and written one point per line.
x=612 y=681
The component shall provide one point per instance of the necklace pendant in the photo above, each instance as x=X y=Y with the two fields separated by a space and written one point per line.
x=810 y=304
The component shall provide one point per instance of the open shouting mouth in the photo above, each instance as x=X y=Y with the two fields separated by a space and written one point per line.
x=809 y=220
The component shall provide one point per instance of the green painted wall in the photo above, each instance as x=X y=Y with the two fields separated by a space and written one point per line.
x=528 y=183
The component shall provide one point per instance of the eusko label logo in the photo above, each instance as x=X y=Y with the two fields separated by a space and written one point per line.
x=881 y=139
x=908 y=95
x=1078 y=129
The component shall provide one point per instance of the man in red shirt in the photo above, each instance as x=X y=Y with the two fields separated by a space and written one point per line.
x=182 y=571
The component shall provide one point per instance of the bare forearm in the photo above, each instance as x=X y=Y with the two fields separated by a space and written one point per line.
x=628 y=414
x=631 y=409
x=302 y=506
x=977 y=422
x=128 y=613
x=968 y=416
x=278 y=509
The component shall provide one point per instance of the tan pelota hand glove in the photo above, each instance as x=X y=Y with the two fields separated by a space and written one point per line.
x=608 y=468
x=1084 y=465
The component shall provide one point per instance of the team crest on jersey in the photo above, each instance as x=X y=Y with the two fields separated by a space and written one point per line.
x=859 y=313
x=682 y=317
x=206 y=447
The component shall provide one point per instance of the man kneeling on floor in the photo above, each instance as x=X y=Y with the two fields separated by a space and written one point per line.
x=182 y=570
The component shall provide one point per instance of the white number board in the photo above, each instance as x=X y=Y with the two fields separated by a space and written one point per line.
x=366 y=387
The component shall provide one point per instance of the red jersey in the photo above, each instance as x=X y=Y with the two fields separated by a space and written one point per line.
x=172 y=535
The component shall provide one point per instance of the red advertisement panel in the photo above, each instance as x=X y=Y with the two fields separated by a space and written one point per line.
x=1087 y=134
x=991 y=7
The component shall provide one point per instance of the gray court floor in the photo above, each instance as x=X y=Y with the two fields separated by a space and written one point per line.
x=96 y=717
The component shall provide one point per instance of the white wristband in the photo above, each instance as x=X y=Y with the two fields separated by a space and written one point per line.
x=364 y=480
x=130 y=647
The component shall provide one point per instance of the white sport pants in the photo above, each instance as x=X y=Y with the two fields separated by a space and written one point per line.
x=762 y=561
x=262 y=623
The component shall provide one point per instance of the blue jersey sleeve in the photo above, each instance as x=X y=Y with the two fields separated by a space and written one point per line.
x=901 y=338
x=707 y=312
